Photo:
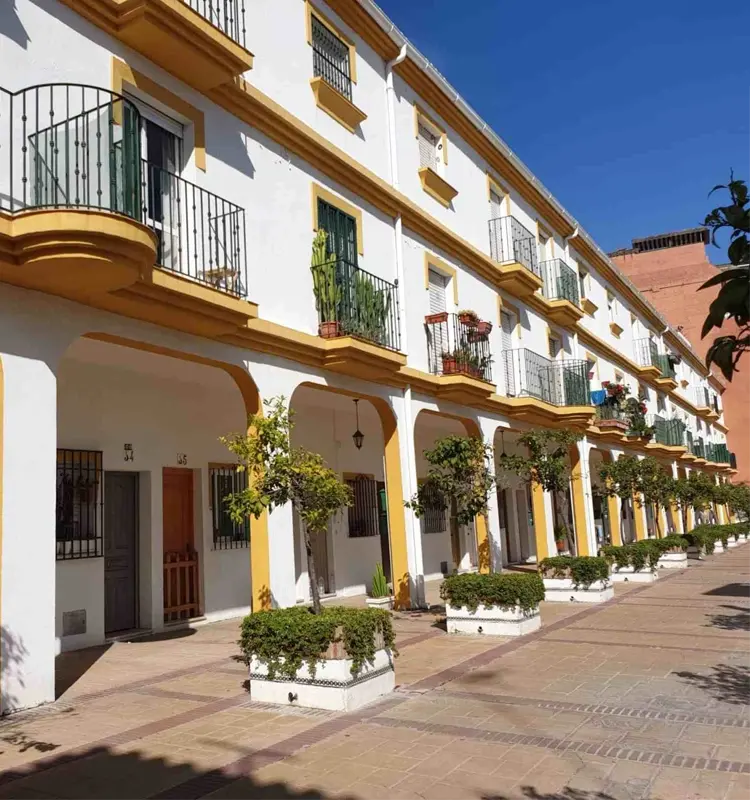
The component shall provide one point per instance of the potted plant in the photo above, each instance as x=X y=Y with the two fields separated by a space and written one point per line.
x=561 y=538
x=338 y=660
x=369 y=316
x=480 y=331
x=673 y=552
x=584 y=579
x=635 y=562
x=495 y=604
x=326 y=287
x=436 y=319
x=380 y=595
x=469 y=318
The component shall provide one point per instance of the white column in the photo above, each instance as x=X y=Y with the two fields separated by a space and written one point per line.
x=488 y=428
x=281 y=557
x=584 y=449
x=28 y=403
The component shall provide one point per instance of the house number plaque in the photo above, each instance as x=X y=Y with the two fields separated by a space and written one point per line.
x=182 y=458
x=128 y=452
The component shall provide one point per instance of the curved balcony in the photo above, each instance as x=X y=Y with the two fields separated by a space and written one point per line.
x=82 y=215
x=514 y=247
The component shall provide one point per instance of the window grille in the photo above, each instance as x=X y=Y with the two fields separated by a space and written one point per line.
x=364 y=511
x=434 y=517
x=79 y=524
x=331 y=58
x=428 y=146
x=223 y=481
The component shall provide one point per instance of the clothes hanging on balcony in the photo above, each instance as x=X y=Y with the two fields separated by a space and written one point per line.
x=598 y=397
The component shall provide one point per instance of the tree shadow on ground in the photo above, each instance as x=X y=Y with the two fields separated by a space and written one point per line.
x=566 y=793
x=730 y=590
x=730 y=622
x=725 y=683
x=106 y=773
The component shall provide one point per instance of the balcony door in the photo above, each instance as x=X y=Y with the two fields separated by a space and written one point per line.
x=438 y=341
x=507 y=325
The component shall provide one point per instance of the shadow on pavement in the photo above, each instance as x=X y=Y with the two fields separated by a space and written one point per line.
x=731 y=622
x=566 y=793
x=726 y=683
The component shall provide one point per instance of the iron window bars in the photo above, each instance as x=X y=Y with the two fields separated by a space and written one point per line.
x=226 y=15
x=456 y=347
x=73 y=146
x=364 y=513
x=227 y=534
x=510 y=241
x=434 y=519
x=560 y=281
x=560 y=383
x=331 y=58
x=79 y=507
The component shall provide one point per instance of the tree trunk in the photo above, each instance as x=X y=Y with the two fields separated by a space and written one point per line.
x=658 y=519
x=312 y=573
x=563 y=506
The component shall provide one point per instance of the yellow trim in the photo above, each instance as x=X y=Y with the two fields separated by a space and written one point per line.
x=124 y=76
x=503 y=304
x=431 y=260
x=430 y=123
x=336 y=105
x=615 y=329
x=318 y=192
x=312 y=10
x=540 y=521
x=674 y=512
x=493 y=185
x=579 y=502
x=589 y=306
x=435 y=186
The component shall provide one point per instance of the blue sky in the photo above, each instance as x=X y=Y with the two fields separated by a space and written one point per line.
x=629 y=112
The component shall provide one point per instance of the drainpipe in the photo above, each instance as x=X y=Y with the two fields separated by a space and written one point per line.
x=413 y=528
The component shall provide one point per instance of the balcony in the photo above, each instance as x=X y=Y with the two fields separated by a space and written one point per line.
x=515 y=248
x=201 y=42
x=354 y=303
x=560 y=290
x=655 y=365
x=699 y=448
x=667 y=432
x=457 y=345
x=86 y=217
x=559 y=383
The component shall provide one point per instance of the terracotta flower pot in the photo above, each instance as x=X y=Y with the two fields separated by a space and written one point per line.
x=450 y=365
x=329 y=330
x=468 y=320
x=434 y=319
x=484 y=328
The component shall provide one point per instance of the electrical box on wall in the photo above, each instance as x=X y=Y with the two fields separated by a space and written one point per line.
x=74 y=622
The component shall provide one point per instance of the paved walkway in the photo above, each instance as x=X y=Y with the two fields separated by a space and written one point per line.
x=644 y=697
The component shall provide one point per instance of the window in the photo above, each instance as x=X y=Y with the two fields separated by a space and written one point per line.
x=79 y=505
x=331 y=57
x=555 y=346
x=223 y=481
x=544 y=247
x=661 y=404
x=611 y=306
x=430 y=144
x=582 y=282
x=342 y=231
x=364 y=511
x=434 y=517
x=496 y=204
x=591 y=367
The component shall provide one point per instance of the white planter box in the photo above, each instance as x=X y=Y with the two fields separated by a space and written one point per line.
x=719 y=547
x=492 y=621
x=562 y=590
x=732 y=541
x=333 y=688
x=632 y=576
x=673 y=560
x=696 y=552
x=380 y=602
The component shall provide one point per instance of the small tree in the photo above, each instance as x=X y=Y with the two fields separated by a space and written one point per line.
x=738 y=499
x=620 y=478
x=655 y=487
x=697 y=491
x=733 y=300
x=460 y=470
x=279 y=474
x=548 y=466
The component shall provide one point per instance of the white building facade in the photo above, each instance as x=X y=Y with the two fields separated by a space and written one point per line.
x=159 y=196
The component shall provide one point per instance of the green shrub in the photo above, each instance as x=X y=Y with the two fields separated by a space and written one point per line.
x=672 y=542
x=636 y=555
x=700 y=538
x=583 y=570
x=379 y=583
x=505 y=590
x=285 y=638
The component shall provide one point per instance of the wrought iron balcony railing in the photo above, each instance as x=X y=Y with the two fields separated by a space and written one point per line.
x=458 y=347
x=510 y=241
x=353 y=302
x=226 y=15
x=561 y=383
x=664 y=363
x=79 y=147
x=702 y=397
x=667 y=431
x=721 y=453
x=699 y=448
x=560 y=281
x=647 y=354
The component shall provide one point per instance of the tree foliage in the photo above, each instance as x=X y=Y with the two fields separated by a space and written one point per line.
x=547 y=465
x=279 y=474
x=733 y=300
x=460 y=469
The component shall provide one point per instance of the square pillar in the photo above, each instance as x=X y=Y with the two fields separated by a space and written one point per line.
x=541 y=525
x=580 y=483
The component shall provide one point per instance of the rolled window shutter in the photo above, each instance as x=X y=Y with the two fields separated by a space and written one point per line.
x=427 y=147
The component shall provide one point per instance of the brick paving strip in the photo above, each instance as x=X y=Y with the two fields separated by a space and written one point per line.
x=601 y=708
x=724 y=637
x=568 y=746
x=638 y=645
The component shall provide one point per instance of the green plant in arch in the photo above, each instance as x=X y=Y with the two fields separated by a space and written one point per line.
x=279 y=474
x=379 y=583
x=547 y=465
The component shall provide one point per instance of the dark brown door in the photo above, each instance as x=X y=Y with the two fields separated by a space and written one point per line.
x=385 y=541
x=120 y=531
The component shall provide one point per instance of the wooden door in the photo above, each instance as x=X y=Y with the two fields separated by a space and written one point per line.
x=385 y=541
x=522 y=516
x=181 y=584
x=120 y=532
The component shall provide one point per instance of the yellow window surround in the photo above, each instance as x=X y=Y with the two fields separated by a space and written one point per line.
x=504 y=305
x=429 y=122
x=589 y=306
x=319 y=193
x=615 y=329
x=124 y=76
x=494 y=185
x=435 y=186
x=313 y=11
x=440 y=266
